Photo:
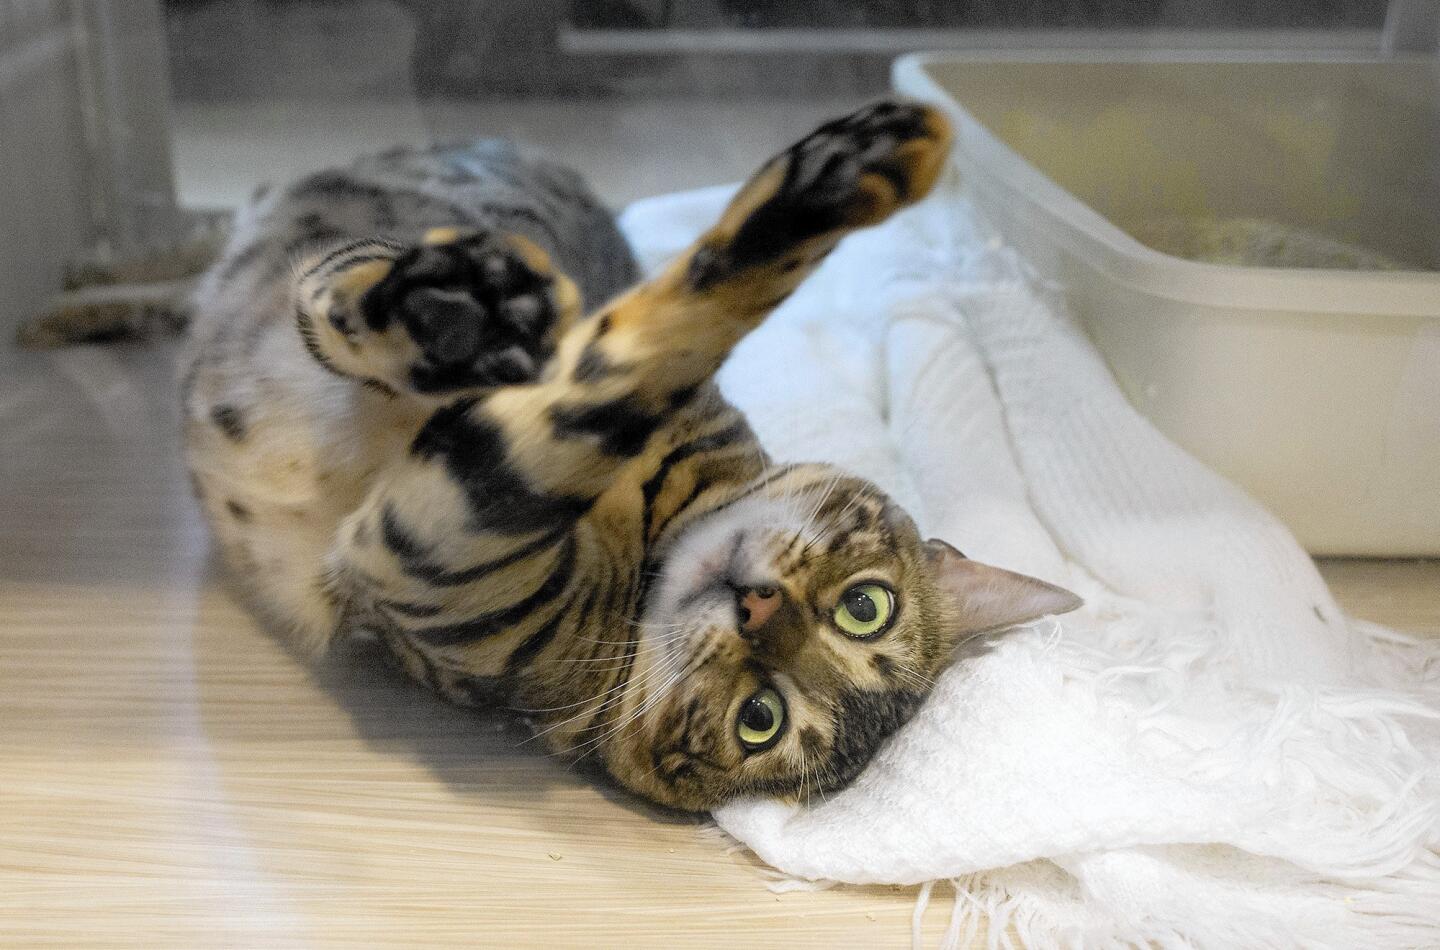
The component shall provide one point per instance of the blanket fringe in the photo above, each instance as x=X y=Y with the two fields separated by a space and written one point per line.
x=1038 y=906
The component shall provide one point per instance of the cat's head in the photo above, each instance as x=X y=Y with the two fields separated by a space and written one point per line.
x=790 y=633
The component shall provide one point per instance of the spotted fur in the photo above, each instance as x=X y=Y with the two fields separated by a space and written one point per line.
x=414 y=432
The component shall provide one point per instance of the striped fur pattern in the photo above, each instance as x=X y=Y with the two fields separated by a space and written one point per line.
x=416 y=433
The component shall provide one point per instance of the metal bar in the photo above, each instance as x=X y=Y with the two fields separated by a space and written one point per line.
x=1411 y=26
x=890 y=42
x=125 y=104
x=34 y=54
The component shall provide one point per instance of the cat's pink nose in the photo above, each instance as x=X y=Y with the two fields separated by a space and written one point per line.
x=757 y=605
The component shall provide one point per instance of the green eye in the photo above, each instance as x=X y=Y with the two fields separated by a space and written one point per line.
x=761 y=719
x=865 y=610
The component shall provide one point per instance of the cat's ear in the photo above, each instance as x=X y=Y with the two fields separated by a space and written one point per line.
x=991 y=598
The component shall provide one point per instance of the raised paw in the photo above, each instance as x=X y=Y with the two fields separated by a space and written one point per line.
x=480 y=309
x=850 y=173
x=862 y=167
x=455 y=312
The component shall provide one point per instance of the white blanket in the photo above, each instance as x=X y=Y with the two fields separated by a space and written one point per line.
x=1209 y=753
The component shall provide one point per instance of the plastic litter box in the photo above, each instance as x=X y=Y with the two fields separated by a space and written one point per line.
x=1316 y=388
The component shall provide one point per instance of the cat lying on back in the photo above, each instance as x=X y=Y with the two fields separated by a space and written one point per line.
x=400 y=420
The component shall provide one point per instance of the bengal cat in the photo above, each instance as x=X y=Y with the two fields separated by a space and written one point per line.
x=414 y=433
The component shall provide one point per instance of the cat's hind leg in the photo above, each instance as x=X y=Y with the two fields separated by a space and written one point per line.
x=459 y=312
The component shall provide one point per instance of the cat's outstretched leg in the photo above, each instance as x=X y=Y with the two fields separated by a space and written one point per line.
x=673 y=332
x=461 y=311
x=498 y=480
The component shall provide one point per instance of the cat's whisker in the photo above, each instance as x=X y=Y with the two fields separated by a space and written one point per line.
x=590 y=709
x=651 y=772
x=651 y=699
x=608 y=695
x=626 y=661
x=649 y=624
x=641 y=650
x=824 y=496
x=790 y=500
x=806 y=522
x=814 y=514
x=804 y=775
x=633 y=624
x=820 y=787
x=585 y=702
x=649 y=646
x=546 y=709
x=915 y=678
x=835 y=520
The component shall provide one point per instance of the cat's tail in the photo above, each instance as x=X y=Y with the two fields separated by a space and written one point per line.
x=109 y=314
x=136 y=299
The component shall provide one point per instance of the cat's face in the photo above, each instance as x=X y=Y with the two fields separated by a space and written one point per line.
x=790 y=633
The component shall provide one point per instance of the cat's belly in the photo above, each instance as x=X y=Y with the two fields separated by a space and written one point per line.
x=276 y=470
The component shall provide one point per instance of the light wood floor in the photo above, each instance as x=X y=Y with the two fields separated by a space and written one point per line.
x=170 y=776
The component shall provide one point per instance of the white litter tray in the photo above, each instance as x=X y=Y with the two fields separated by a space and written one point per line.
x=1318 y=388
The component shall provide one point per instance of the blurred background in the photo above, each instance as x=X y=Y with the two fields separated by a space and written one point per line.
x=116 y=113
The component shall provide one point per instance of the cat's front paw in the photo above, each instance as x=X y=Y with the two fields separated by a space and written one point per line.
x=481 y=310
x=850 y=173
x=456 y=312
x=862 y=167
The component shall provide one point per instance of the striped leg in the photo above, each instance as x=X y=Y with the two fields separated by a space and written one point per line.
x=501 y=477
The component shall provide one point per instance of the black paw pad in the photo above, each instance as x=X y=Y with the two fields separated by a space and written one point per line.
x=827 y=165
x=822 y=190
x=479 y=314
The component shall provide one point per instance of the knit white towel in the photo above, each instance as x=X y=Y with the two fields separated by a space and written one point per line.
x=1209 y=753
